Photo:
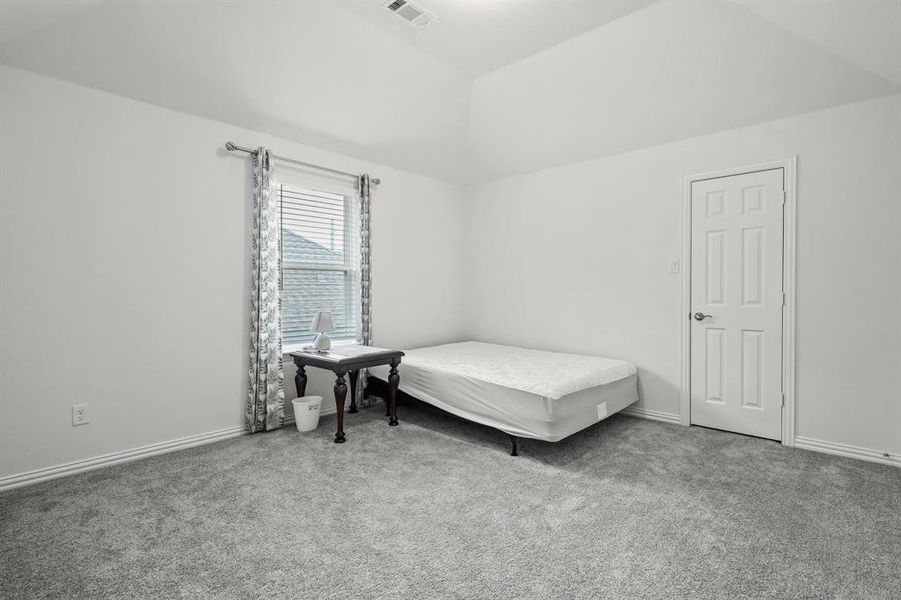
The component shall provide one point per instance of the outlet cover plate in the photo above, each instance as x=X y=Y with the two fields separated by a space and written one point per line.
x=80 y=415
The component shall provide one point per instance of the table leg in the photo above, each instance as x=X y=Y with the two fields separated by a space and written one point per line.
x=353 y=390
x=300 y=381
x=393 y=381
x=367 y=401
x=340 y=395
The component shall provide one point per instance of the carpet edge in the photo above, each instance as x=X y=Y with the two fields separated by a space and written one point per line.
x=10 y=482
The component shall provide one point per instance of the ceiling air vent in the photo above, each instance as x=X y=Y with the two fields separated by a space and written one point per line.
x=411 y=13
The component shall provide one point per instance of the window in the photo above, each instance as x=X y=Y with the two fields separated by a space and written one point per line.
x=320 y=261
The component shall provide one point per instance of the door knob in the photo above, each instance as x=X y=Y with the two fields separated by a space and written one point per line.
x=699 y=316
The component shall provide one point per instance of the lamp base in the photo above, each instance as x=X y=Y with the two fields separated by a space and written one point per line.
x=322 y=343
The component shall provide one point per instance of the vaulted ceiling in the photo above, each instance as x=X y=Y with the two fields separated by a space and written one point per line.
x=479 y=36
x=492 y=88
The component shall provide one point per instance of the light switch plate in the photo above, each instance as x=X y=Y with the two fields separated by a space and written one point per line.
x=672 y=266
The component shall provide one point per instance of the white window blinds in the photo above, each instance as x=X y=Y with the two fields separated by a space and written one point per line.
x=320 y=261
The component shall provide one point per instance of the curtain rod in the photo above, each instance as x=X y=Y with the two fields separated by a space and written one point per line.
x=232 y=147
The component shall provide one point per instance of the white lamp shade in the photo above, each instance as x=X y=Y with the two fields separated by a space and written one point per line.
x=322 y=322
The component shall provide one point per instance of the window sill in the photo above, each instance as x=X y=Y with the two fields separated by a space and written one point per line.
x=298 y=346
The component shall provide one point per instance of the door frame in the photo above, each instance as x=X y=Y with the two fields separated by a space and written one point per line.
x=789 y=274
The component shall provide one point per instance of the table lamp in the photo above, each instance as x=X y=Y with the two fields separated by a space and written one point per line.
x=322 y=325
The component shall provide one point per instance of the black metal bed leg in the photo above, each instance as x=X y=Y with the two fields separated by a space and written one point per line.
x=513 y=451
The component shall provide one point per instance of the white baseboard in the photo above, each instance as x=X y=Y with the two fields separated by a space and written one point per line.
x=804 y=443
x=847 y=451
x=13 y=481
x=654 y=415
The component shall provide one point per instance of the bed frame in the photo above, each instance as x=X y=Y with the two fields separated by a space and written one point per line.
x=377 y=387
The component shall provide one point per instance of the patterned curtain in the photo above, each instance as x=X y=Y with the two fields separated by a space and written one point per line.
x=365 y=280
x=265 y=405
x=365 y=272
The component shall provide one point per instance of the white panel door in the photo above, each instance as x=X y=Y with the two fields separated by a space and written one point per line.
x=736 y=303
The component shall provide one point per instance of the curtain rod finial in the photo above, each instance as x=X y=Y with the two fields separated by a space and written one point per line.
x=230 y=146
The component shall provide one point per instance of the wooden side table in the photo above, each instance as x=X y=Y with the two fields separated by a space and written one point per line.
x=348 y=360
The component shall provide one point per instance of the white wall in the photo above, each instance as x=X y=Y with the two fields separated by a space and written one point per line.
x=123 y=254
x=575 y=258
x=124 y=234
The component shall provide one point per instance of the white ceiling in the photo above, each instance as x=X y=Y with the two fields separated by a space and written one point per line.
x=478 y=36
x=21 y=17
x=671 y=71
x=864 y=32
x=557 y=81
x=300 y=70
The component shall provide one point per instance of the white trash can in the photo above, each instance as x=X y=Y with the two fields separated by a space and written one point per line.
x=306 y=412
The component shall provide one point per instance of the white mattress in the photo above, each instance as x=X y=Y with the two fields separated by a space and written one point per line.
x=526 y=393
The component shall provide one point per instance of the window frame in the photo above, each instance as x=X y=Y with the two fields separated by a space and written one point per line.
x=347 y=267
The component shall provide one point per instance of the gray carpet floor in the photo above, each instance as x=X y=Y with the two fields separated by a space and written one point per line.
x=436 y=508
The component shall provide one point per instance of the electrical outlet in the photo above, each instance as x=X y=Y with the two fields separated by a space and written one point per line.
x=80 y=414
